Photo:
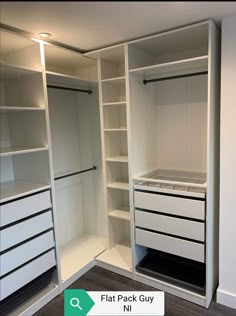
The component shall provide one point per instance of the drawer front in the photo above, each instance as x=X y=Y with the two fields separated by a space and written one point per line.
x=170 y=205
x=17 y=233
x=175 y=246
x=19 y=209
x=19 y=255
x=170 y=225
x=27 y=273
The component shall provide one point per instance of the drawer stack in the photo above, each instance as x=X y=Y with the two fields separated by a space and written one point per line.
x=26 y=241
x=171 y=227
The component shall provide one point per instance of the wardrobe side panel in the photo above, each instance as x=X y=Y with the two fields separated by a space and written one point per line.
x=63 y=109
x=90 y=155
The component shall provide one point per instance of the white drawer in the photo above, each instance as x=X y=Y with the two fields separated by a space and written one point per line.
x=27 y=273
x=17 y=233
x=170 y=225
x=31 y=249
x=175 y=246
x=16 y=210
x=170 y=204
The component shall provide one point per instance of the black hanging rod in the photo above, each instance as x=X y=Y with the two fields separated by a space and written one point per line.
x=145 y=81
x=69 y=89
x=75 y=173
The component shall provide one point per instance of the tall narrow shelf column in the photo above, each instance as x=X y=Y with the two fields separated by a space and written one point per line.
x=112 y=79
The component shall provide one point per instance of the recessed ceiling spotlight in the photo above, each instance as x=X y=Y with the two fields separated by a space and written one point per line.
x=44 y=35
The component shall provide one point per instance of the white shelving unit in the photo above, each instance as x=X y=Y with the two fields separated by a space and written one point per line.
x=173 y=90
x=114 y=133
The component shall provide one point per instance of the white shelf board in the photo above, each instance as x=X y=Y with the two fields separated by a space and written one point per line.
x=119 y=103
x=60 y=78
x=122 y=213
x=6 y=109
x=114 y=80
x=118 y=159
x=10 y=71
x=15 y=189
x=118 y=256
x=79 y=252
x=170 y=67
x=115 y=130
x=9 y=151
x=120 y=185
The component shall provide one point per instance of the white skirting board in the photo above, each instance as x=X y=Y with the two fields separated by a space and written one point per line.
x=226 y=298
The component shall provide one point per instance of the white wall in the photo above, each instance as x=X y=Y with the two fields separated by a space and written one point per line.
x=226 y=293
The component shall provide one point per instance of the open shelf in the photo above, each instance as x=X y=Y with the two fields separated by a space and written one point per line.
x=115 y=130
x=79 y=252
x=65 y=79
x=123 y=213
x=115 y=79
x=118 y=159
x=16 y=189
x=119 y=256
x=114 y=91
x=120 y=103
x=121 y=185
x=9 y=151
x=176 y=67
x=6 y=109
x=11 y=71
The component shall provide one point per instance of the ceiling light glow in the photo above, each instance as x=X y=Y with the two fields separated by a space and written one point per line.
x=45 y=35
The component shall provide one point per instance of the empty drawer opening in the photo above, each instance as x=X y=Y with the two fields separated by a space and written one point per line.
x=179 y=271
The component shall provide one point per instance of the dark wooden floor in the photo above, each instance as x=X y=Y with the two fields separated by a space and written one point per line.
x=98 y=279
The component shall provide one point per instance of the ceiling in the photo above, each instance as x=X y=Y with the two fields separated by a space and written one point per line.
x=91 y=25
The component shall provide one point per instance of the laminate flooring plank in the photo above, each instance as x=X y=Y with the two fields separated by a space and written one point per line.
x=99 y=279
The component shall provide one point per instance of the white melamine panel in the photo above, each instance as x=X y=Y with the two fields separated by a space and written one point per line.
x=175 y=246
x=170 y=205
x=78 y=253
x=90 y=155
x=19 y=232
x=32 y=167
x=113 y=69
x=117 y=200
x=19 y=209
x=24 y=91
x=27 y=251
x=27 y=129
x=178 y=44
x=181 y=123
x=16 y=189
x=114 y=91
x=63 y=110
x=114 y=117
x=174 y=68
x=143 y=126
x=70 y=214
x=119 y=256
x=170 y=225
x=27 y=273
x=68 y=62
x=116 y=144
x=116 y=172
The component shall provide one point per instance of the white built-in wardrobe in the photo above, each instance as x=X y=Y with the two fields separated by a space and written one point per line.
x=110 y=158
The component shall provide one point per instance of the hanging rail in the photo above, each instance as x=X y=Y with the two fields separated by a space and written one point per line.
x=69 y=89
x=145 y=81
x=75 y=173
